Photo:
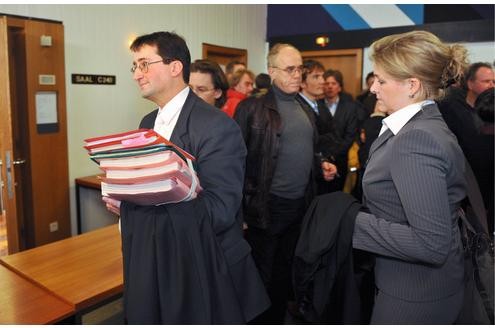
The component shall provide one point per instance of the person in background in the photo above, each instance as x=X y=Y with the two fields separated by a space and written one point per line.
x=208 y=81
x=369 y=132
x=187 y=262
x=345 y=117
x=262 y=83
x=479 y=77
x=465 y=122
x=484 y=162
x=366 y=92
x=312 y=90
x=368 y=98
x=241 y=87
x=233 y=67
x=414 y=184
x=281 y=170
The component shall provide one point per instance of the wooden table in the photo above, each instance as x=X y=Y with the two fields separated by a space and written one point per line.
x=91 y=182
x=84 y=270
x=23 y=302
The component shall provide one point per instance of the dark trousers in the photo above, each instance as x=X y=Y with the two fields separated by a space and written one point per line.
x=273 y=250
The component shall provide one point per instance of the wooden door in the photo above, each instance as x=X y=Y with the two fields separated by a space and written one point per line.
x=348 y=61
x=224 y=55
x=35 y=138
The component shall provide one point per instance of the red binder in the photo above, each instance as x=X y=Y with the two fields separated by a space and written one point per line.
x=144 y=168
x=134 y=139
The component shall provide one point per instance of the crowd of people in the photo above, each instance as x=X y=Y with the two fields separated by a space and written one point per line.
x=266 y=146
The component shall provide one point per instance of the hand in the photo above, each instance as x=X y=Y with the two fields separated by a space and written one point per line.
x=113 y=205
x=329 y=171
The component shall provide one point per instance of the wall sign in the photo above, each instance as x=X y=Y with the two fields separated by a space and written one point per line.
x=93 y=79
x=46 y=112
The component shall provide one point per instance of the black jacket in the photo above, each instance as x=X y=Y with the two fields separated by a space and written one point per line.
x=329 y=143
x=261 y=127
x=188 y=263
x=332 y=284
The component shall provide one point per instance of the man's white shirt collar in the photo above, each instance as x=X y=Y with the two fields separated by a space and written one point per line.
x=310 y=102
x=396 y=121
x=169 y=114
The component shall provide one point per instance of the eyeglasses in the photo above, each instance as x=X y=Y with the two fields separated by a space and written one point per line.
x=200 y=90
x=144 y=65
x=291 y=70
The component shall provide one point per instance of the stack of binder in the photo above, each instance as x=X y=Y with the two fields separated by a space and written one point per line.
x=144 y=168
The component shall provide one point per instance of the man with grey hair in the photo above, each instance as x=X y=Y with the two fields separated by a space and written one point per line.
x=281 y=170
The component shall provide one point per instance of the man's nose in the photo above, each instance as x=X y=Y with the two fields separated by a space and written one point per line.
x=137 y=74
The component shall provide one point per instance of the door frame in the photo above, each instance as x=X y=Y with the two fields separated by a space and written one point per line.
x=6 y=145
x=223 y=55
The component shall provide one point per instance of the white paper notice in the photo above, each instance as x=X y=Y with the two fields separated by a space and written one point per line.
x=46 y=107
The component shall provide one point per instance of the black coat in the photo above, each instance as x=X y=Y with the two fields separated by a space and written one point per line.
x=261 y=126
x=329 y=287
x=187 y=263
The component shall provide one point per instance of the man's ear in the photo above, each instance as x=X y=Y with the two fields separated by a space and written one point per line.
x=469 y=85
x=176 y=68
x=218 y=93
x=271 y=72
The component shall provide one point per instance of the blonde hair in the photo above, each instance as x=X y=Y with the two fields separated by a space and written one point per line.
x=275 y=50
x=421 y=55
x=236 y=77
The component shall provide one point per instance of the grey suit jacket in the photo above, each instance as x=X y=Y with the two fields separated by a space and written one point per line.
x=413 y=185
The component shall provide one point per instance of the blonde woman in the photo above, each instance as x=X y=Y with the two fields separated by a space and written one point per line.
x=413 y=184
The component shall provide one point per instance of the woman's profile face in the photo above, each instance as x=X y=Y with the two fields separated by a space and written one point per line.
x=390 y=93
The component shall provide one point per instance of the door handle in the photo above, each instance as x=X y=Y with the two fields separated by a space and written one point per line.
x=19 y=161
x=8 y=165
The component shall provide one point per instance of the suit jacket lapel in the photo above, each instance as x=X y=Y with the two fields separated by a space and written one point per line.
x=380 y=141
x=180 y=135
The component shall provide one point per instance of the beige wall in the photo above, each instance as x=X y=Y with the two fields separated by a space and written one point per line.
x=96 y=42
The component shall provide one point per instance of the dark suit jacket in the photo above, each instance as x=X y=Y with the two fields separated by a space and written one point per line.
x=330 y=284
x=329 y=143
x=346 y=124
x=413 y=186
x=188 y=262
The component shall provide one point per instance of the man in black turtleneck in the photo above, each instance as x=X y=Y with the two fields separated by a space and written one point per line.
x=281 y=170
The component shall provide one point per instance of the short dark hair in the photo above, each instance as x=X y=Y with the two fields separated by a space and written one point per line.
x=169 y=46
x=309 y=66
x=484 y=105
x=263 y=81
x=370 y=75
x=337 y=75
x=217 y=77
x=471 y=71
x=229 y=69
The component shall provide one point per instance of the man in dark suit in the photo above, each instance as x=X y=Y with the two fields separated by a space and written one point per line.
x=312 y=90
x=347 y=116
x=187 y=263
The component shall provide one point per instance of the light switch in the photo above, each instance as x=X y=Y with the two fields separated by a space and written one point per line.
x=46 y=41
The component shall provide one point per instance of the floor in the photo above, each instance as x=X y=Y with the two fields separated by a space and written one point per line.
x=108 y=314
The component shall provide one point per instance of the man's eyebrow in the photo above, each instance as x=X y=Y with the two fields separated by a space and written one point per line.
x=141 y=59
